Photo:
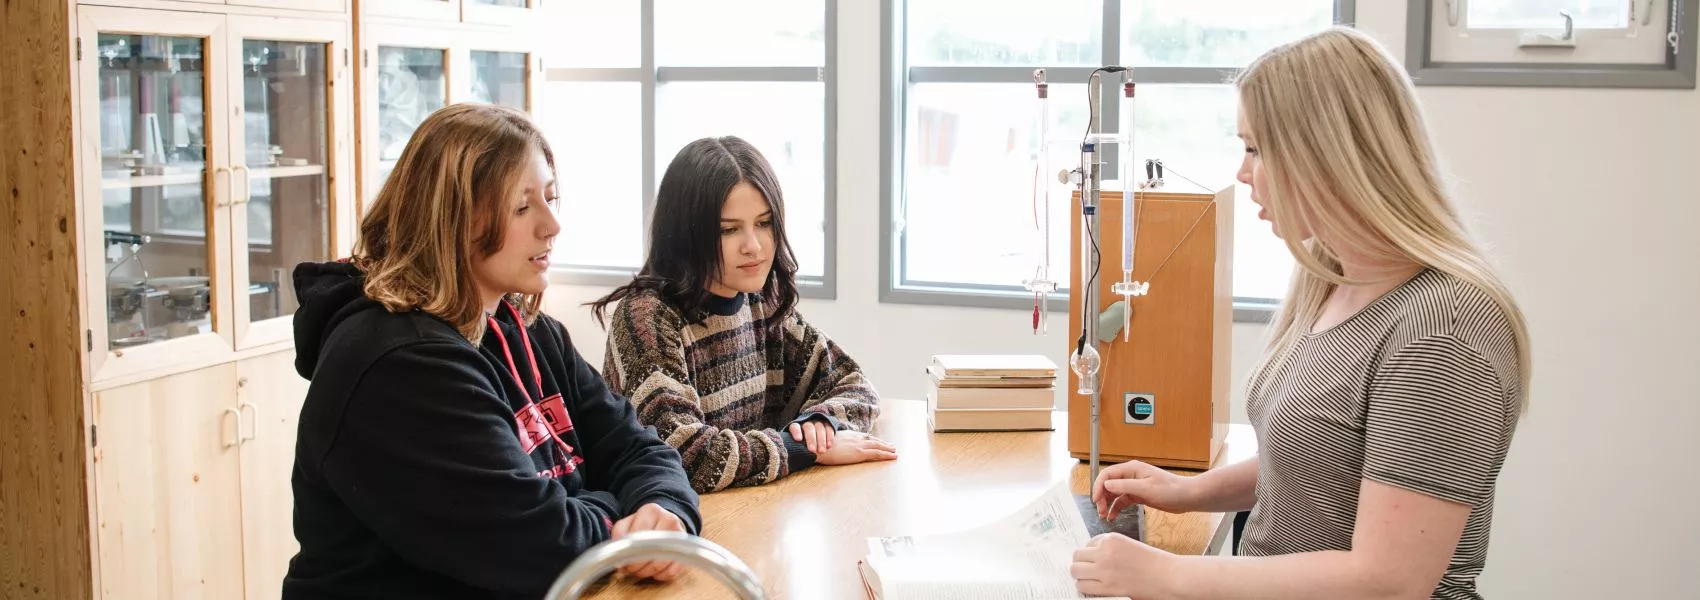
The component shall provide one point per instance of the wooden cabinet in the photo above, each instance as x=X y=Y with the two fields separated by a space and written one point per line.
x=217 y=153
x=168 y=487
x=269 y=395
x=192 y=479
x=1163 y=386
x=177 y=159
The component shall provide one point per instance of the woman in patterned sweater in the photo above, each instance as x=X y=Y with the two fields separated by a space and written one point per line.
x=1396 y=372
x=707 y=342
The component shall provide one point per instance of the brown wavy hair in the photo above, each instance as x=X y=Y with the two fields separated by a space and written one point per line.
x=441 y=209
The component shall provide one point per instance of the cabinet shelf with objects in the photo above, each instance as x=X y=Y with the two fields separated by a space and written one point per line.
x=217 y=154
x=208 y=147
x=213 y=150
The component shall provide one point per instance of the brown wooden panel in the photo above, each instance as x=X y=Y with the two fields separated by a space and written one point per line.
x=1178 y=345
x=44 y=511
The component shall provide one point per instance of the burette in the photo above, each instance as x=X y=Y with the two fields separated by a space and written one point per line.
x=1087 y=178
x=1041 y=283
x=1127 y=288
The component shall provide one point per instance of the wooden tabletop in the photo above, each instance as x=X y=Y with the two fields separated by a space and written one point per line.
x=803 y=534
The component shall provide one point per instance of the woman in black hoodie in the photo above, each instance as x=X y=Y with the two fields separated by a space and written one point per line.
x=453 y=443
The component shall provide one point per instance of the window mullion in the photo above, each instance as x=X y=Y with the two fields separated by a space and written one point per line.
x=1110 y=94
x=646 y=33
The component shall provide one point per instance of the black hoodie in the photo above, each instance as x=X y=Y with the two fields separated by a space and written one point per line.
x=424 y=470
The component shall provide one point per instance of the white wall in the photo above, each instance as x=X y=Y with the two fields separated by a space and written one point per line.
x=1584 y=196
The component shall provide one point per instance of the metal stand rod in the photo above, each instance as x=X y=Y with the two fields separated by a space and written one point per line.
x=1089 y=201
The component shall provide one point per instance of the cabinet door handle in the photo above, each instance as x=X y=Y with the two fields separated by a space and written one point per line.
x=246 y=185
x=238 y=420
x=254 y=421
x=220 y=200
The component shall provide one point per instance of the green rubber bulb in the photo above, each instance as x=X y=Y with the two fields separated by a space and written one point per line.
x=1110 y=321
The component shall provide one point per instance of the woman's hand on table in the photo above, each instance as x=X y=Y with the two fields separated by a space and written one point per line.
x=651 y=517
x=816 y=434
x=851 y=447
x=1113 y=564
x=1125 y=484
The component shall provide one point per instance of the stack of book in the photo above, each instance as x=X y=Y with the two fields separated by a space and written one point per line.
x=991 y=392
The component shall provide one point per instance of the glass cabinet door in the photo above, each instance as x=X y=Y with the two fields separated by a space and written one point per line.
x=152 y=101
x=283 y=154
x=411 y=83
x=153 y=144
x=501 y=78
x=497 y=68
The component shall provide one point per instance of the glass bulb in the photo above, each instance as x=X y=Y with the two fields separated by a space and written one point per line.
x=1085 y=365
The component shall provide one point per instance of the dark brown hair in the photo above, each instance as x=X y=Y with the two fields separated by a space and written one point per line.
x=684 y=241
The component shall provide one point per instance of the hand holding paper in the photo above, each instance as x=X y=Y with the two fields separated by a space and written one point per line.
x=1024 y=556
x=1113 y=564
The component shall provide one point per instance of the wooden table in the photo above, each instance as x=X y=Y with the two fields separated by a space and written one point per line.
x=803 y=534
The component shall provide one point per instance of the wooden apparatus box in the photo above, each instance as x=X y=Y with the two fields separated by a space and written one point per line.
x=1164 y=392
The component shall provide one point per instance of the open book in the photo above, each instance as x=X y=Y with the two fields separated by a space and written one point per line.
x=1023 y=556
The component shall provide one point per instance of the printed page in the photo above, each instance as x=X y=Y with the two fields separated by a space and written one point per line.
x=1024 y=555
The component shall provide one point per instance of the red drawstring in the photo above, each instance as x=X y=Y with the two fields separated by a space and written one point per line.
x=536 y=374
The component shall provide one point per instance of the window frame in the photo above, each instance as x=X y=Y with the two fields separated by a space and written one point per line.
x=1677 y=72
x=895 y=78
x=650 y=77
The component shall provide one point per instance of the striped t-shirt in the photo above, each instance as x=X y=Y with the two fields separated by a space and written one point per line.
x=1417 y=390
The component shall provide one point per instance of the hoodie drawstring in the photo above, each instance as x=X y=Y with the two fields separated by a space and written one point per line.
x=537 y=375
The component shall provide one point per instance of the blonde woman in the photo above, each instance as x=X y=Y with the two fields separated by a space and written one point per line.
x=453 y=443
x=1396 y=371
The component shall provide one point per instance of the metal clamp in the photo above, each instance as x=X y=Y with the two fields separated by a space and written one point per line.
x=656 y=545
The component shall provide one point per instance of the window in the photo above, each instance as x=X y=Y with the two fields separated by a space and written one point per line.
x=1553 y=43
x=630 y=83
x=963 y=176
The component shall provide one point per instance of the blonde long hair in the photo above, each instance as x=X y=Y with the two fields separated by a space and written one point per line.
x=441 y=209
x=1344 y=150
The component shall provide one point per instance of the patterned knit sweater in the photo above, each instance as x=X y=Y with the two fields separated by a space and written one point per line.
x=724 y=391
